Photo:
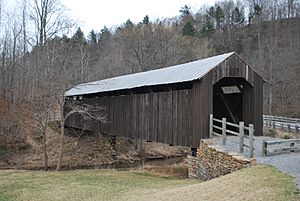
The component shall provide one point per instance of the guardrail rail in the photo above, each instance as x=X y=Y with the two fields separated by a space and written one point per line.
x=240 y=130
x=272 y=147
x=283 y=123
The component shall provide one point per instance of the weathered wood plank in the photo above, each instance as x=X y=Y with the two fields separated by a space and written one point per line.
x=174 y=117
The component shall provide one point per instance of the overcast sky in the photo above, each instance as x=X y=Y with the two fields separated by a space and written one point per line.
x=94 y=14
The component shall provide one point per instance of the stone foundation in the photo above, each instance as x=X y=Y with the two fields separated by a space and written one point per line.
x=212 y=161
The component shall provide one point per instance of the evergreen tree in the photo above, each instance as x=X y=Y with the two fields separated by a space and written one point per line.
x=128 y=24
x=255 y=14
x=104 y=35
x=104 y=30
x=146 y=20
x=219 y=17
x=78 y=37
x=185 y=11
x=257 y=10
x=65 y=39
x=211 y=12
x=189 y=29
x=92 y=37
x=208 y=28
x=238 y=16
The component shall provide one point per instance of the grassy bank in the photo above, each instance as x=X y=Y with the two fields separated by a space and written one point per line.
x=255 y=183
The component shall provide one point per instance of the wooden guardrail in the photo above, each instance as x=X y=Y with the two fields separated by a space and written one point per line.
x=272 y=147
x=236 y=129
x=283 y=123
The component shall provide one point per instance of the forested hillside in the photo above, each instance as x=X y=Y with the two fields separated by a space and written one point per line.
x=40 y=59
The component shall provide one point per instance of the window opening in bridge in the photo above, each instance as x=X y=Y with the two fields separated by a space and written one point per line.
x=231 y=89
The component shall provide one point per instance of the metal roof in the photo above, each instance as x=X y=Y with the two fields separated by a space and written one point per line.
x=174 y=74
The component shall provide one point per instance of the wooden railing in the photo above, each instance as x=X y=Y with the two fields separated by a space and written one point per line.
x=224 y=127
x=284 y=123
x=271 y=147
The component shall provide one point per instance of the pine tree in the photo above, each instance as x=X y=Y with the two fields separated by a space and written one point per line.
x=208 y=28
x=219 y=17
x=128 y=24
x=78 y=36
x=185 y=11
x=104 y=30
x=238 y=16
x=104 y=35
x=146 y=20
x=257 y=10
x=189 y=29
x=65 y=38
x=92 y=37
x=211 y=12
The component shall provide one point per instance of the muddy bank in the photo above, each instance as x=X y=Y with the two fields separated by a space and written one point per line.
x=120 y=165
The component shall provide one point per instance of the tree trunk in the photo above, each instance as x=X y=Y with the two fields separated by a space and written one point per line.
x=61 y=142
x=142 y=151
x=45 y=149
x=270 y=88
x=270 y=100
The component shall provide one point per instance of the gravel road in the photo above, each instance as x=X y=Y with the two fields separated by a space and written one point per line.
x=288 y=163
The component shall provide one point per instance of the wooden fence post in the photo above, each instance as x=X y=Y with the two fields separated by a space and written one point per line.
x=224 y=130
x=211 y=126
x=264 y=148
x=241 y=136
x=251 y=131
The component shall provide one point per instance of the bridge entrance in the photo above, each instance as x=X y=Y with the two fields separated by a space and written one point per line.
x=233 y=99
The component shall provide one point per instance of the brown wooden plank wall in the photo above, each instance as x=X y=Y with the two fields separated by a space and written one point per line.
x=253 y=93
x=202 y=106
x=258 y=104
x=202 y=99
x=179 y=117
x=156 y=116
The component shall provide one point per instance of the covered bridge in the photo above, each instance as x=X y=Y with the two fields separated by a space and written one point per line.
x=172 y=105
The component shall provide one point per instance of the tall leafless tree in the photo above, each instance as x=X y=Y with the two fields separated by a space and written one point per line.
x=87 y=112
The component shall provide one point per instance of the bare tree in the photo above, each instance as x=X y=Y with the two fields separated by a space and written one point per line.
x=87 y=112
x=50 y=18
x=42 y=117
x=24 y=25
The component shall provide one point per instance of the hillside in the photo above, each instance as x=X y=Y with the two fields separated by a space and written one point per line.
x=23 y=149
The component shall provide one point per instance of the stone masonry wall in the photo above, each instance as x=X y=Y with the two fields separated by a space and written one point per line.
x=212 y=162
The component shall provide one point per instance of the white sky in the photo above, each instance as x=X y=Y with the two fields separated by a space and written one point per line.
x=94 y=14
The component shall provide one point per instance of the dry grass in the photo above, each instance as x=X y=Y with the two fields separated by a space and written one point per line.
x=255 y=183
x=278 y=133
x=176 y=170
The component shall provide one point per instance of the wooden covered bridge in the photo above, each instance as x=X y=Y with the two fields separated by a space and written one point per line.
x=172 y=105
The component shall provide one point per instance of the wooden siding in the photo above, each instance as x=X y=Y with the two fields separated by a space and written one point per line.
x=174 y=115
x=234 y=67
x=155 y=116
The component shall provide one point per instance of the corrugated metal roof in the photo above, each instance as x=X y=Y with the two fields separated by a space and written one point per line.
x=174 y=74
